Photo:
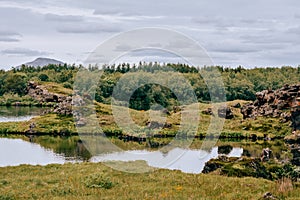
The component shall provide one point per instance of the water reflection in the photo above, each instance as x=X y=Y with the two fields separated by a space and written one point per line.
x=48 y=149
x=71 y=148
x=16 y=113
x=14 y=152
x=17 y=151
x=186 y=160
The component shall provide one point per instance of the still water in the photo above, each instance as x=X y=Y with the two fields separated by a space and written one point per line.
x=19 y=113
x=186 y=160
x=17 y=151
x=45 y=150
x=14 y=152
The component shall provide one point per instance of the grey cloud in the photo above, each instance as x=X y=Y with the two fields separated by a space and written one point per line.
x=88 y=28
x=110 y=11
x=230 y=47
x=126 y=47
x=252 y=28
x=9 y=36
x=278 y=58
x=204 y=20
x=23 y=52
x=238 y=47
x=152 y=53
x=114 y=11
x=234 y=50
x=8 y=39
x=178 y=44
x=297 y=16
x=208 y=20
x=22 y=20
x=9 y=33
x=249 y=21
x=123 y=16
x=63 y=18
x=155 y=45
x=295 y=30
x=224 y=23
x=123 y=47
x=272 y=39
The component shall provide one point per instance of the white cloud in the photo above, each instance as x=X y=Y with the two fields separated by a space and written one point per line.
x=23 y=52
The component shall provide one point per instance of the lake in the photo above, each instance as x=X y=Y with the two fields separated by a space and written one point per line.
x=186 y=160
x=17 y=151
x=43 y=150
x=14 y=152
x=19 y=113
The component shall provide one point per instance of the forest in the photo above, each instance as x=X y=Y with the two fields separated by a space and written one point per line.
x=239 y=83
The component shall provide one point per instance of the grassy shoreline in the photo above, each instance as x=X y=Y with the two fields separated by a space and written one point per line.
x=239 y=128
x=97 y=181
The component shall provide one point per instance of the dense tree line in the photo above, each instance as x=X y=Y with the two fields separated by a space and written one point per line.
x=239 y=83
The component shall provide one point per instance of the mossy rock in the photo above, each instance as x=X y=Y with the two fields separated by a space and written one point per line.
x=239 y=167
x=224 y=149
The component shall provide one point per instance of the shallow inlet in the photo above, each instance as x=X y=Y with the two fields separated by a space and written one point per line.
x=186 y=160
x=17 y=114
x=15 y=152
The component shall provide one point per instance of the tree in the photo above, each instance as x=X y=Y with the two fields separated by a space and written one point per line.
x=43 y=77
x=15 y=83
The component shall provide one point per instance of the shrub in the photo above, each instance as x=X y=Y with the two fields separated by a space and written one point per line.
x=43 y=77
x=98 y=181
x=68 y=85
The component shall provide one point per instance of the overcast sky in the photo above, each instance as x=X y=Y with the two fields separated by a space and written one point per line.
x=233 y=32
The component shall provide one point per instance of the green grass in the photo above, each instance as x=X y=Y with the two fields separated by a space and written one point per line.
x=97 y=181
x=14 y=127
x=56 y=88
x=50 y=124
x=15 y=99
x=54 y=124
x=237 y=127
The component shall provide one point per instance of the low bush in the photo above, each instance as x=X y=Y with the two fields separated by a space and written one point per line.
x=98 y=181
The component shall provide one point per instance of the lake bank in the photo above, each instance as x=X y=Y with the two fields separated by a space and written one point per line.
x=237 y=127
x=192 y=159
x=94 y=181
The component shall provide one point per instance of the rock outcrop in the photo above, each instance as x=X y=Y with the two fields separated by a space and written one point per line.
x=238 y=167
x=269 y=195
x=63 y=103
x=157 y=125
x=41 y=94
x=223 y=112
x=266 y=155
x=283 y=103
x=207 y=111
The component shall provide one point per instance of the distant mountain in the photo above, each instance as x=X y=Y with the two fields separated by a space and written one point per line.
x=43 y=62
